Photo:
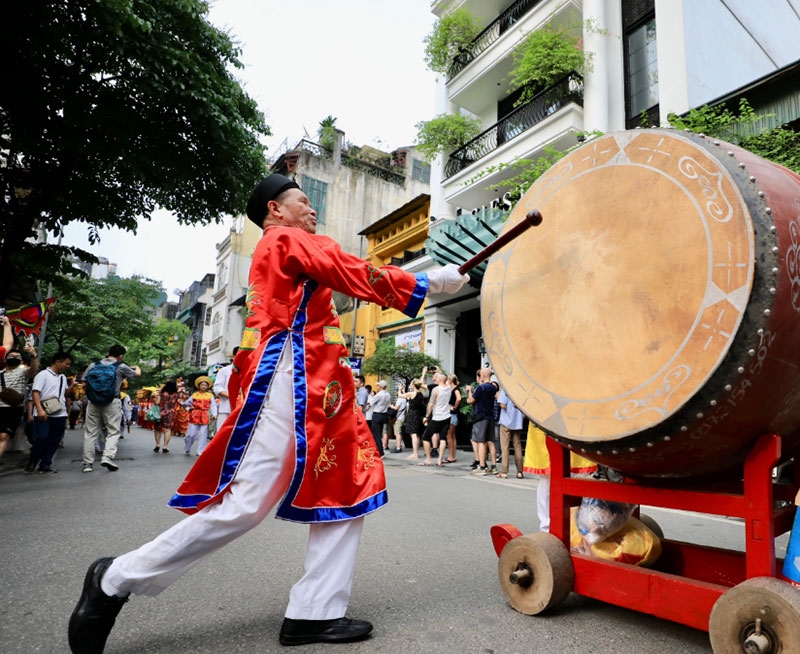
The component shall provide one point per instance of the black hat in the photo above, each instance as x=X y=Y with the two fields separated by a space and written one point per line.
x=268 y=189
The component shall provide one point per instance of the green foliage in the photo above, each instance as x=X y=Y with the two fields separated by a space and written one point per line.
x=527 y=171
x=451 y=35
x=159 y=354
x=392 y=361
x=326 y=133
x=445 y=133
x=93 y=314
x=778 y=144
x=110 y=110
x=545 y=57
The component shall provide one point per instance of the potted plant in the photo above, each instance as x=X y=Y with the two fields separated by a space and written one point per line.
x=451 y=35
x=445 y=133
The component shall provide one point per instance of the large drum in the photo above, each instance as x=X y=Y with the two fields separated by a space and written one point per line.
x=652 y=322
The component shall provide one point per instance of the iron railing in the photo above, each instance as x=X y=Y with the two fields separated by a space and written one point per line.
x=543 y=104
x=489 y=35
x=372 y=169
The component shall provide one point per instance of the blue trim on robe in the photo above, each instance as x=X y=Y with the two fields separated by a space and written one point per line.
x=245 y=425
x=418 y=296
x=242 y=431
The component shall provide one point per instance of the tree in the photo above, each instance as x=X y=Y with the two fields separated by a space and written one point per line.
x=93 y=314
x=396 y=361
x=160 y=353
x=451 y=35
x=110 y=110
x=445 y=133
x=326 y=133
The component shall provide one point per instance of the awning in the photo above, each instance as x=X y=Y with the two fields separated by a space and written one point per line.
x=458 y=240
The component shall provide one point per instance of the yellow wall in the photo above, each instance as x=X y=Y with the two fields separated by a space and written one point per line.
x=407 y=232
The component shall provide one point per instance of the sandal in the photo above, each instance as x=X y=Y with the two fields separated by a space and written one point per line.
x=424 y=464
x=502 y=475
x=449 y=461
x=520 y=475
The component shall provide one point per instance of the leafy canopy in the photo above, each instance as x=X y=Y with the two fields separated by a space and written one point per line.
x=93 y=314
x=545 y=57
x=451 y=35
x=445 y=133
x=778 y=144
x=393 y=361
x=110 y=110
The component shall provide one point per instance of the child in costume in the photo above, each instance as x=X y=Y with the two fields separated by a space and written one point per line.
x=199 y=405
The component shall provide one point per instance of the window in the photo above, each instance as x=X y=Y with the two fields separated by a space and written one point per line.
x=642 y=68
x=317 y=193
x=421 y=171
x=216 y=325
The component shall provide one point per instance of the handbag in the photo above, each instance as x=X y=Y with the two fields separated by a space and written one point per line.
x=392 y=412
x=153 y=414
x=52 y=404
x=10 y=396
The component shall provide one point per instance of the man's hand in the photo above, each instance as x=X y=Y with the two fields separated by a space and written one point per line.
x=446 y=279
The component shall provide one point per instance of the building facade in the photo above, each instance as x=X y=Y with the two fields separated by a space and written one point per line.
x=195 y=312
x=645 y=59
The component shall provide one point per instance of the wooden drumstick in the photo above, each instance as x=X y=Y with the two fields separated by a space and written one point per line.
x=533 y=219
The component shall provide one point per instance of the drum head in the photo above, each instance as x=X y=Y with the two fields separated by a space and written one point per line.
x=610 y=316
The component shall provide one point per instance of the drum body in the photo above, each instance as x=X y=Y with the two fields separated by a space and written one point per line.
x=652 y=322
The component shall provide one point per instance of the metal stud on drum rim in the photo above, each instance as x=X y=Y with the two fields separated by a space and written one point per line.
x=535 y=573
x=759 y=616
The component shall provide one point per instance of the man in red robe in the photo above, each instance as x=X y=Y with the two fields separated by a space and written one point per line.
x=297 y=439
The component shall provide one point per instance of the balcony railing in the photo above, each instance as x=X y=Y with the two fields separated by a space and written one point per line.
x=489 y=35
x=542 y=105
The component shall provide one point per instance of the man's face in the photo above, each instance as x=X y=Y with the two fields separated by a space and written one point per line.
x=359 y=383
x=62 y=365
x=294 y=210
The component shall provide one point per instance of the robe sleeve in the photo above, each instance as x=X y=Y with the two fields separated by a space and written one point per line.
x=321 y=259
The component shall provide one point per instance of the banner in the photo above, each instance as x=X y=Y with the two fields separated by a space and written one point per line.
x=28 y=319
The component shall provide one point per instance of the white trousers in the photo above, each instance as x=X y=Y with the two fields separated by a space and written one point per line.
x=322 y=593
x=195 y=432
x=543 y=502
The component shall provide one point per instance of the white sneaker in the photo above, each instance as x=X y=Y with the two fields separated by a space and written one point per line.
x=109 y=465
x=87 y=467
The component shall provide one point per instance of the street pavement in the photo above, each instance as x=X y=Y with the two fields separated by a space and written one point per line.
x=427 y=573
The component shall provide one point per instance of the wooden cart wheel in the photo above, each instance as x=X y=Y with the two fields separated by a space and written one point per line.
x=652 y=525
x=759 y=616
x=535 y=573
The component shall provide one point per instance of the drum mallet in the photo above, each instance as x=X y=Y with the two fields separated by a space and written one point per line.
x=533 y=219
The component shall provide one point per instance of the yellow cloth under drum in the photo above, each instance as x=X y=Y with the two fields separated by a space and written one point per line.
x=537 y=459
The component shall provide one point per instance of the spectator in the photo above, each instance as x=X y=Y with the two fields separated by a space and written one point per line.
x=510 y=429
x=482 y=401
x=221 y=391
x=437 y=416
x=455 y=403
x=15 y=376
x=50 y=403
x=380 y=417
x=362 y=393
x=368 y=410
x=105 y=410
x=414 y=415
x=400 y=407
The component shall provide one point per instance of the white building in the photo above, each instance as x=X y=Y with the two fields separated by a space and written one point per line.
x=652 y=57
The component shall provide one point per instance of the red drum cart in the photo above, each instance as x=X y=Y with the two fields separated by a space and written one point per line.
x=651 y=323
x=740 y=598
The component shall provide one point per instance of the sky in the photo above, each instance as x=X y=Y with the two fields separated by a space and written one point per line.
x=361 y=61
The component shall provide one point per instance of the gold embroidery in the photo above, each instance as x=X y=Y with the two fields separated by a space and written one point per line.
x=390 y=300
x=251 y=337
x=333 y=335
x=366 y=454
x=344 y=362
x=251 y=299
x=325 y=461
x=374 y=274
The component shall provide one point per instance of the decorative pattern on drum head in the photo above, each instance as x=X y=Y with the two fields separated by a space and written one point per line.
x=608 y=318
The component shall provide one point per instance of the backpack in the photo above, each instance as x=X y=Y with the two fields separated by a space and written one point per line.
x=101 y=383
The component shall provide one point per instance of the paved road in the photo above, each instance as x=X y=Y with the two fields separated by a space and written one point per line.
x=427 y=575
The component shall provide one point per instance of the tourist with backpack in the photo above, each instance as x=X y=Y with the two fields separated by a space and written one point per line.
x=103 y=381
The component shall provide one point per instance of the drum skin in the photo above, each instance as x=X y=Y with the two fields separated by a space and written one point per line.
x=652 y=322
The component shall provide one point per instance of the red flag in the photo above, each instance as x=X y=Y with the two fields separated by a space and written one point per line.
x=28 y=319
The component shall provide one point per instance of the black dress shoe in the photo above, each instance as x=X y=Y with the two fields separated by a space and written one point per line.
x=94 y=616
x=340 y=630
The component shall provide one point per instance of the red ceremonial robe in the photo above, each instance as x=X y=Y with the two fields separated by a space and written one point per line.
x=338 y=474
